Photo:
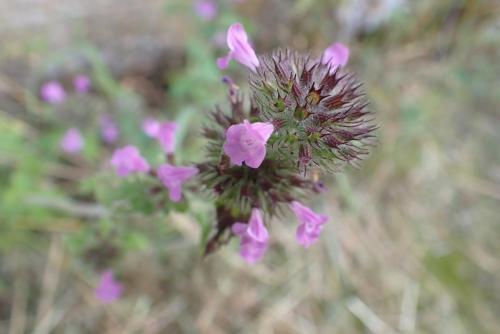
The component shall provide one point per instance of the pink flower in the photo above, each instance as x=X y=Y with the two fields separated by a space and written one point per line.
x=173 y=178
x=310 y=226
x=239 y=49
x=128 y=160
x=108 y=290
x=82 y=83
x=109 y=129
x=206 y=9
x=72 y=142
x=336 y=55
x=151 y=126
x=254 y=237
x=166 y=136
x=247 y=142
x=53 y=92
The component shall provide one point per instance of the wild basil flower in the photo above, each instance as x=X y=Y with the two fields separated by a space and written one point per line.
x=173 y=177
x=151 y=127
x=321 y=114
x=82 y=83
x=310 y=226
x=166 y=136
x=246 y=142
x=72 y=142
x=239 y=49
x=53 y=92
x=336 y=55
x=128 y=160
x=254 y=237
x=206 y=9
x=109 y=289
x=109 y=129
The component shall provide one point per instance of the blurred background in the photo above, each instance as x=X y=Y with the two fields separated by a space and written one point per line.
x=414 y=239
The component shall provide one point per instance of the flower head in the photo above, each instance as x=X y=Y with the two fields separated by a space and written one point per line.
x=151 y=126
x=128 y=160
x=254 y=237
x=166 y=136
x=321 y=113
x=53 y=92
x=109 y=289
x=239 y=49
x=109 y=129
x=310 y=226
x=247 y=142
x=206 y=9
x=173 y=177
x=82 y=83
x=72 y=142
x=336 y=55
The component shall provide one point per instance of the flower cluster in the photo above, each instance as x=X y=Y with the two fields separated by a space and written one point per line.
x=264 y=154
x=304 y=115
x=128 y=159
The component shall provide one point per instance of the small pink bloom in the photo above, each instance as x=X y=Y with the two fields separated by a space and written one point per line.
x=109 y=289
x=109 y=129
x=173 y=177
x=128 y=160
x=166 y=136
x=53 y=92
x=206 y=9
x=247 y=142
x=310 y=226
x=336 y=55
x=239 y=49
x=82 y=83
x=254 y=237
x=72 y=142
x=151 y=127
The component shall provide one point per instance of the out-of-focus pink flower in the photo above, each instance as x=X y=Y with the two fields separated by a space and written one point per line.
x=166 y=136
x=336 y=55
x=247 y=142
x=173 y=177
x=128 y=160
x=109 y=129
x=206 y=9
x=151 y=126
x=311 y=224
x=53 y=92
x=82 y=83
x=239 y=49
x=109 y=289
x=254 y=237
x=72 y=142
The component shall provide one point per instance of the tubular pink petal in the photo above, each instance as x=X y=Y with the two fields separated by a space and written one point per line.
x=265 y=130
x=173 y=178
x=247 y=143
x=241 y=50
x=223 y=62
x=128 y=160
x=336 y=54
x=256 y=228
x=166 y=136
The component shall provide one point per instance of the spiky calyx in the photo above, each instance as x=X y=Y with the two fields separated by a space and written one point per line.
x=238 y=189
x=320 y=114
